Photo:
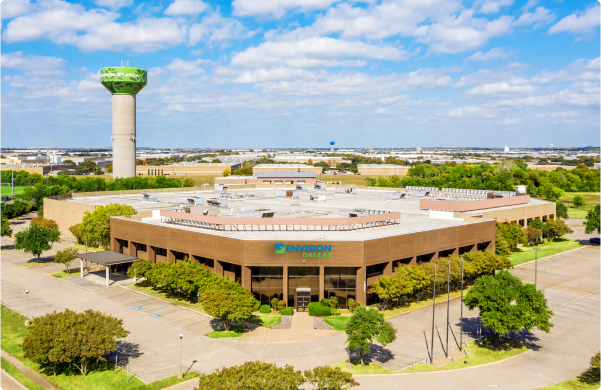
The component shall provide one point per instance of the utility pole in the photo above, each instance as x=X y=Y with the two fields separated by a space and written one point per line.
x=461 y=304
x=433 y=310
x=181 y=346
x=448 y=303
x=27 y=310
x=12 y=177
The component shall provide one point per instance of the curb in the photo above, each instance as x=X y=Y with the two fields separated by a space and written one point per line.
x=185 y=308
x=546 y=257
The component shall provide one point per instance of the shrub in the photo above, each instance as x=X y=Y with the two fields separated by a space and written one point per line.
x=265 y=309
x=334 y=311
x=274 y=303
x=353 y=305
x=281 y=305
x=316 y=309
x=252 y=375
x=330 y=378
x=288 y=311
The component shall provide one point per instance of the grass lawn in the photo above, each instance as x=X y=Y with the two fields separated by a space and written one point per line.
x=358 y=180
x=236 y=331
x=368 y=368
x=265 y=320
x=338 y=322
x=572 y=384
x=144 y=288
x=8 y=190
x=64 y=274
x=13 y=332
x=476 y=355
x=36 y=264
x=589 y=197
x=526 y=253
x=19 y=376
x=577 y=213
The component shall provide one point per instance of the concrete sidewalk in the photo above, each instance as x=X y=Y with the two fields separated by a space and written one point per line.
x=34 y=376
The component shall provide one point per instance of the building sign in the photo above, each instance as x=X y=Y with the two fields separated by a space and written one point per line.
x=306 y=250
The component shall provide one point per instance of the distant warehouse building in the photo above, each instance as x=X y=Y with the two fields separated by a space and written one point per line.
x=382 y=169
x=286 y=168
x=271 y=178
x=210 y=169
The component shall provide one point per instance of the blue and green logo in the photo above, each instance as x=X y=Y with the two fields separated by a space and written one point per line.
x=306 y=250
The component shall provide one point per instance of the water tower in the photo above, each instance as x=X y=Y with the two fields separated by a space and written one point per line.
x=124 y=83
x=332 y=146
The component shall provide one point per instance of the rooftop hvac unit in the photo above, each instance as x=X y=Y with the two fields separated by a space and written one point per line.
x=317 y=198
x=220 y=188
x=190 y=200
x=396 y=195
x=422 y=191
x=352 y=213
x=254 y=214
x=250 y=194
x=211 y=212
x=345 y=190
x=220 y=203
x=319 y=186
x=149 y=196
x=281 y=193
x=301 y=187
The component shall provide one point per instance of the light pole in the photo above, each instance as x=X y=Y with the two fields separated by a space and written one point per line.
x=461 y=305
x=536 y=265
x=448 y=304
x=181 y=346
x=27 y=310
x=433 y=310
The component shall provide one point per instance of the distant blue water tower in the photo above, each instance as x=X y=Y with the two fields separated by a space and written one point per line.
x=332 y=146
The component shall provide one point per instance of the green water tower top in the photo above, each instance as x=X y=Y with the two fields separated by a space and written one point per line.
x=123 y=80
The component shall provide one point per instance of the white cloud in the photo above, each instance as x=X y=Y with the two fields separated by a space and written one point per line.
x=185 y=68
x=277 y=8
x=560 y=114
x=511 y=121
x=30 y=62
x=381 y=110
x=114 y=4
x=186 y=7
x=582 y=94
x=537 y=18
x=314 y=52
x=493 y=54
x=579 y=22
x=502 y=88
x=469 y=111
x=14 y=8
x=579 y=70
x=462 y=33
x=493 y=6
x=215 y=28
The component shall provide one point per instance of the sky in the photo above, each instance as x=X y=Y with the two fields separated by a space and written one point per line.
x=302 y=73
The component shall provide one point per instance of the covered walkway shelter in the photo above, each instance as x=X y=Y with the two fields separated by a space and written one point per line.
x=106 y=258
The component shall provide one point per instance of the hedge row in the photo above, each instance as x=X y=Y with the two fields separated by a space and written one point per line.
x=316 y=309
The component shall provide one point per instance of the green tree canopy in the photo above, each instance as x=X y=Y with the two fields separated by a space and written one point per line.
x=98 y=223
x=332 y=378
x=66 y=257
x=365 y=326
x=229 y=305
x=506 y=304
x=36 y=239
x=513 y=234
x=592 y=221
x=578 y=201
x=557 y=228
x=252 y=375
x=6 y=230
x=561 y=210
x=80 y=339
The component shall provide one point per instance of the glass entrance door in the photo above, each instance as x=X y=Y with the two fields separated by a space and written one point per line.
x=302 y=302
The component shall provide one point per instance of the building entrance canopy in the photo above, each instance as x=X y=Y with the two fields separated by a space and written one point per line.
x=106 y=258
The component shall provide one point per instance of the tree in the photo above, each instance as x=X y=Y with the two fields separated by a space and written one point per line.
x=6 y=230
x=43 y=222
x=540 y=225
x=36 y=239
x=229 y=305
x=365 y=326
x=109 y=167
x=591 y=375
x=506 y=304
x=578 y=202
x=513 y=234
x=561 y=210
x=66 y=257
x=502 y=247
x=550 y=192
x=252 y=375
x=310 y=162
x=534 y=235
x=274 y=304
x=98 y=223
x=590 y=225
x=557 y=228
x=68 y=162
x=139 y=268
x=328 y=377
x=226 y=172
x=76 y=338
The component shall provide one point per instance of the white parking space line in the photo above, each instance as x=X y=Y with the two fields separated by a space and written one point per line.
x=158 y=369
x=181 y=319
x=139 y=364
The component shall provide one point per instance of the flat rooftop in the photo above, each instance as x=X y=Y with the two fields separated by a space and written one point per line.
x=413 y=219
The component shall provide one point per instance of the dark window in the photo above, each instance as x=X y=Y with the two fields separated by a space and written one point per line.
x=179 y=255
x=140 y=247
x=160 y=251
x=234 y=269
x=483 y=246
x=267 y=283
x=206 y=261
x=447 y=253
x=375 y=270
x=404 y=261
x=465 y=249
x=425 y=258
x=341 y=282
